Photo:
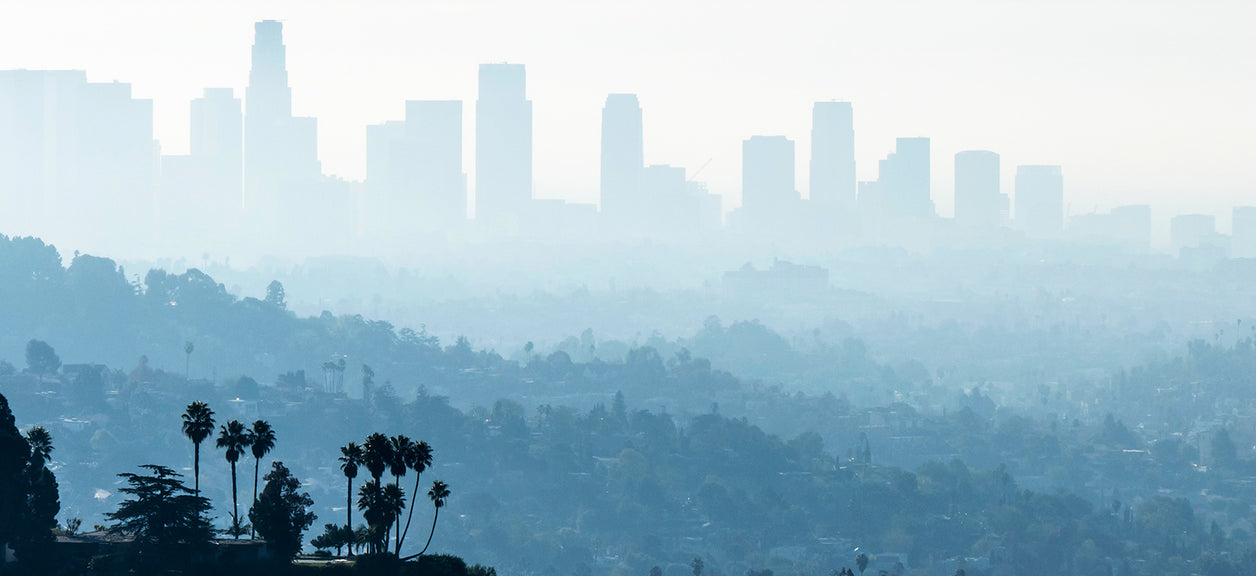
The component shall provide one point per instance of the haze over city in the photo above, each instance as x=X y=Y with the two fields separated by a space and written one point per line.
x=1142 y=102
x=685 y=288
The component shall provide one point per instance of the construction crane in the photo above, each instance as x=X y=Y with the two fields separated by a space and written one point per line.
x=699 y=170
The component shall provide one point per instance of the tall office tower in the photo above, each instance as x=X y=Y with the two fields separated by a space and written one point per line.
x=1194 y=231
x=201 y=193
x=38 y=144
x=1040 y=200
x=280 y=151
x=1243 y=232
x=833 y=158
x=977 y=198
x=904 y=180
x=387 y=155
x=217 y=144
x=768 y=196
x=433 y=132
x=503 y=147
x=76 y=158
x=414 y=179
x=623 y=156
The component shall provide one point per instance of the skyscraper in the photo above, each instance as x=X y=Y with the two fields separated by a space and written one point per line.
x=433 y=131
x=905 y=179
x=833 y=158
x=217 y=142
x=201 y=193
x=503 y=147
x=1040 y=200
x=1187 y=231
x=977 y=198
x=75 y=157
x=1243 y=232
x=623 y=156
x=768 y=196
x=281 y=152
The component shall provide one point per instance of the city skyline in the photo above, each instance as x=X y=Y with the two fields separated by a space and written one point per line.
x=1188 y=159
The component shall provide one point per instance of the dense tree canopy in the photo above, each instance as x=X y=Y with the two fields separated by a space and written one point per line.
x=281 y=514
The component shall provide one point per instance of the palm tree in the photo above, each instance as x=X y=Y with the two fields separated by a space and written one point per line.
x=262 y=440
x=418 y=459
x=40 y=442
x=397 y=466
x=380 y=506
x=376 y=455
x=235 y=439
x=350 y=458
x=438 y=493
x=198 y=424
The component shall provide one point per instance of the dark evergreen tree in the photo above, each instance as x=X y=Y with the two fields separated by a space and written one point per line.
x=162 y=514
x=281 y=514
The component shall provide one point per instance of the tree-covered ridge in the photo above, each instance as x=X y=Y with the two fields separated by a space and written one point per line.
x=564 y=477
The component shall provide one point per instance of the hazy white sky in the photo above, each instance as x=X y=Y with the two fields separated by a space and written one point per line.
x=1146 y=101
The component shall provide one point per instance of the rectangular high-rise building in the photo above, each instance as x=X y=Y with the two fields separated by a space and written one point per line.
x=217 y=143
x=1194 y=231
x=832 y=176
x=433 y=131
x=977 y=197
x=904 y=180
x=1243 y=232
x=280 y=151
x=503 y=147
x=414 y=179
x=201 y=194
x=76 y=157
x=623 y=157
x=1040 y=200
x=769 y=198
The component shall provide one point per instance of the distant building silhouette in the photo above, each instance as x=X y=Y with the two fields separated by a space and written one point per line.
x=1127 y=227
x=415 y=182
x=1243 y=232
x=1195 y=231
x=435 y=128
x=904 y=180
x=217 y=139
x=832 y=173
x=503 y=148
x=77 y=159
x=1040 y=200
x=769 y=199
x=978 y=202
x=201 y=193
x=281 y=151
x=623 y=157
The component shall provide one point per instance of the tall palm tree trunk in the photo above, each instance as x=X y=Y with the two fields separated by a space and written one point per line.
x=397 y=520
x=410 y=514
x=349 y=512
x=430 y=534
x=256 y=464
x=235 y=506
x=196 y=466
